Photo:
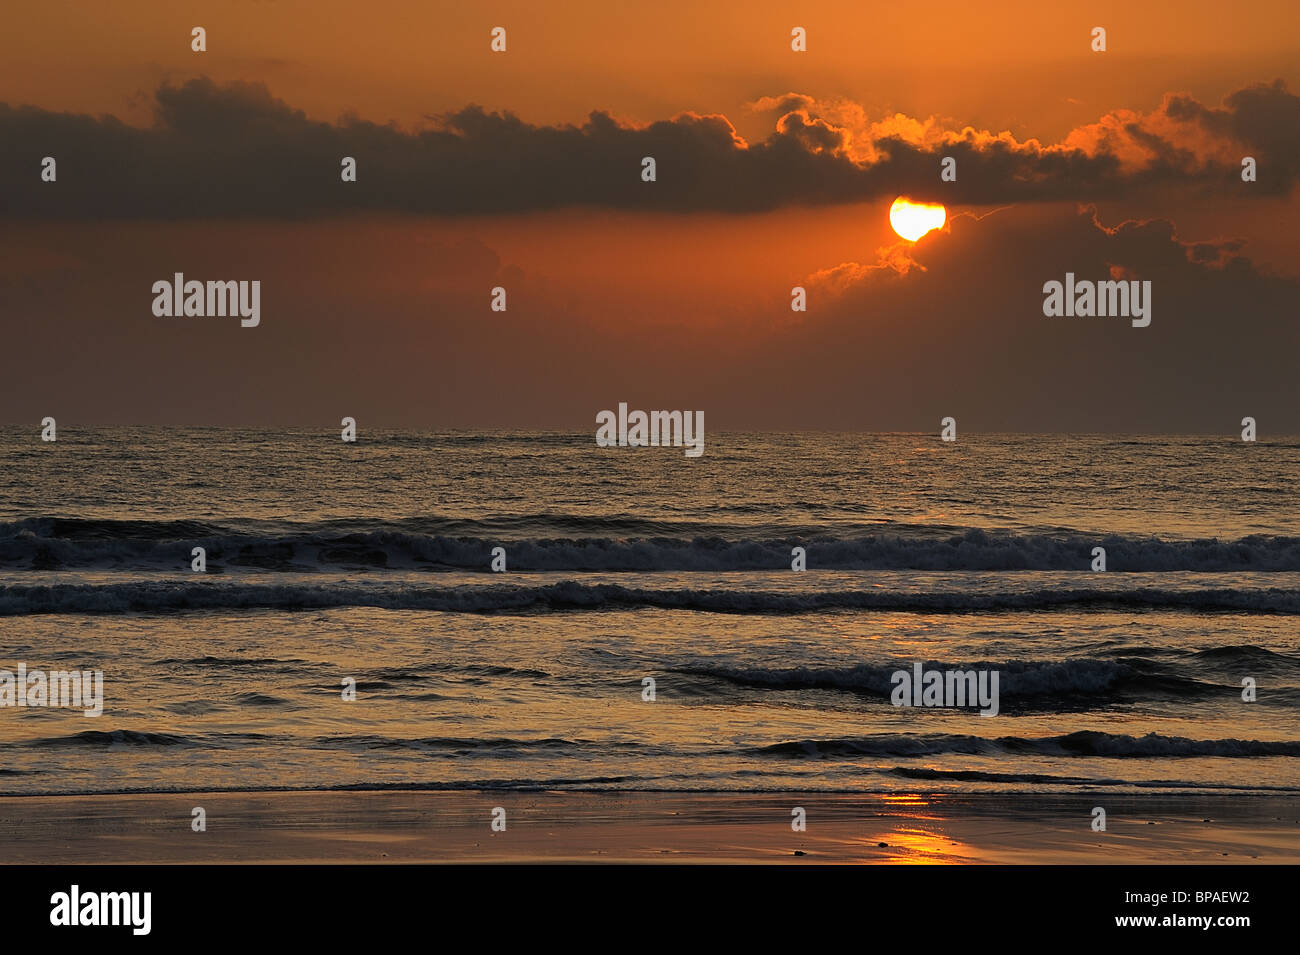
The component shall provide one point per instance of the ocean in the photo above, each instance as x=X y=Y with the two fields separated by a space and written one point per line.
x=332 y=565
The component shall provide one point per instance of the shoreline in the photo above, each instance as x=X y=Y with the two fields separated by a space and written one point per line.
x=455 y=826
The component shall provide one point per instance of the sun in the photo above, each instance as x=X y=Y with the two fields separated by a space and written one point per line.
x=912 y=220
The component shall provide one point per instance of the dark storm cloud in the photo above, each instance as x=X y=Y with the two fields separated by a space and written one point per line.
x=1265 y=117
x=955 y=325
x=371 y=319
x=236 y=151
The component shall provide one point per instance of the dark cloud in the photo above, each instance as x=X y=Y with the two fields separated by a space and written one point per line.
x=373 y=319
x=955 y=325
x=1266 y=118
x=237 y=151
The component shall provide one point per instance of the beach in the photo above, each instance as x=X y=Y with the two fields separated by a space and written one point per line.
x=594 y=827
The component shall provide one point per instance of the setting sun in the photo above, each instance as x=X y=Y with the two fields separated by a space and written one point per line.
x=912 y=220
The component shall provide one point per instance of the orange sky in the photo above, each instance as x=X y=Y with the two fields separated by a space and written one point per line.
x=681 y=303
x=1021 y=65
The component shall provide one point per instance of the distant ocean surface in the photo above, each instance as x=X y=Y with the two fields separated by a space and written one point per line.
x=371 y=561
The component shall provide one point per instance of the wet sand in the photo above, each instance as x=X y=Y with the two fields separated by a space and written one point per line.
x=410 y=826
